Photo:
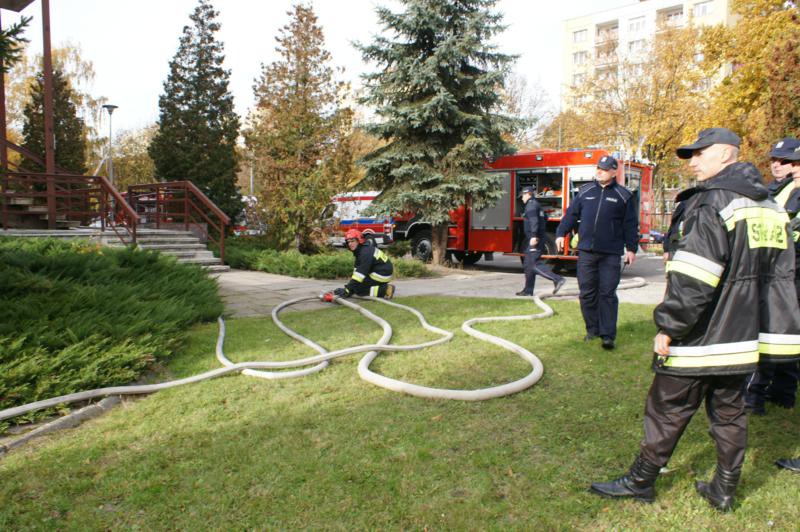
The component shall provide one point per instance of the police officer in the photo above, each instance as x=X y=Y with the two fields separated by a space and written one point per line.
x=770 y=382
x=730 y=297
x=535 y=230
x=608 y=224
x=373 y=269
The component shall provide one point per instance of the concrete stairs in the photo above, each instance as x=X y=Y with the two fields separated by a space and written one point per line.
x=185 y=246
x=25 y=212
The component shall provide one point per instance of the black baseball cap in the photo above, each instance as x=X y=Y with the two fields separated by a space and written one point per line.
x=528 y=190
x=707 y=137
x=607 y=162
x=794 y=155
x=784 y=148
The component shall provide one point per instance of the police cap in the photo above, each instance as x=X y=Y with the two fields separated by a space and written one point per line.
x=607 y=162
x=527 y=190
x=784 y=148
x=707 y=137
x=794 y=156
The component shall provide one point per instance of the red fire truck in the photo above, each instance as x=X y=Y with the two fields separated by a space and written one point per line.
x=557 y=177
x=346 y=211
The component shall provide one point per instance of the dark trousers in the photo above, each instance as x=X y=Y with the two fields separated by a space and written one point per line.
x=671 y=403
x=533 y=267
x=598 y=277
x=776 y=382
x=370 y=287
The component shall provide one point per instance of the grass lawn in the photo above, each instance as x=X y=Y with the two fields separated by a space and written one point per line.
x=331 y=451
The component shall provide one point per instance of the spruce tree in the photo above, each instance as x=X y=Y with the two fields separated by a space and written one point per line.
x=197 y=126
x=70 y=133
x=436 y=97
x=298 y=133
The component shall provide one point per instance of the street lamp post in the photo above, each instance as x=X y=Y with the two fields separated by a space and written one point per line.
x=110 y=108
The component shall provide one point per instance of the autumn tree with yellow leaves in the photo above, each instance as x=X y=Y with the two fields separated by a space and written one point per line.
x=642 y=104
x=758 y=96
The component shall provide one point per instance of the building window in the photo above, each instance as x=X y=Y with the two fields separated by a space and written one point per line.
x=607 y=57
x=580 y=58
x=698 y=57
x=578 y=79
x=637 y=46
x=607 y=33
x=673 y=19
x=702 y=9
x=580 y=35
x=636 y=25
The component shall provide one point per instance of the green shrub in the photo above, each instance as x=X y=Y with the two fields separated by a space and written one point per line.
x=410 y=268
x=399 y=248
x=74 y=316
x=257 y=253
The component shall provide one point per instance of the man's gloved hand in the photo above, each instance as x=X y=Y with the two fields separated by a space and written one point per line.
x=341 y=292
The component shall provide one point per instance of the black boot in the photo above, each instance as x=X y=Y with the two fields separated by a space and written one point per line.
x=638 y=483
x=720 y=491
x=792 y=464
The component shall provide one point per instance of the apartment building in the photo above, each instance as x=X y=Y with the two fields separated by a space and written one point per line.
x=596 y=43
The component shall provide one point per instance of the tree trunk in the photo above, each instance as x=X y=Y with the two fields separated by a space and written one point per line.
x=439 y=241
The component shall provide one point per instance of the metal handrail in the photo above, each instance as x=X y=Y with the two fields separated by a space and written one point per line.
x=186 y=196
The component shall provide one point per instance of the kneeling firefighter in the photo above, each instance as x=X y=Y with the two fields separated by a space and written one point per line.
x=372 y=272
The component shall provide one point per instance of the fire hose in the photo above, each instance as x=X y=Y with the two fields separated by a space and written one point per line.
x=321 y=360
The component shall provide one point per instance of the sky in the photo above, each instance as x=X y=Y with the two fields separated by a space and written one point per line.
x=130 y=42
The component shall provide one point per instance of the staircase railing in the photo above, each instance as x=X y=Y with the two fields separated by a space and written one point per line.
x=28 y=154
x=180 y=202
x=89 y=200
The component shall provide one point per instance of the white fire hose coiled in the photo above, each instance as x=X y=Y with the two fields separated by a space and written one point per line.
x=320 y=361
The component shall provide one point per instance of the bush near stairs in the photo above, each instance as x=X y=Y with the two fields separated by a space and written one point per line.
x=75 y=316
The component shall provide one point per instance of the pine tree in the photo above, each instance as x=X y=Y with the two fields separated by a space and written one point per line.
x=438 y=86
x=197 y=127
x=70 y=133
x=12 y=44
x=299 y=133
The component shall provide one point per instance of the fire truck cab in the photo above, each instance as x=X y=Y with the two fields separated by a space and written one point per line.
x=347 y=211
x=557 y=177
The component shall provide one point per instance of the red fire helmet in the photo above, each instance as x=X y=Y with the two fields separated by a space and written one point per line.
x=354 y=233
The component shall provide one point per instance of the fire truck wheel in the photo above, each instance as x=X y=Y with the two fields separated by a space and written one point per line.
x=549 y=245
x=422 y=245
x=467 y=258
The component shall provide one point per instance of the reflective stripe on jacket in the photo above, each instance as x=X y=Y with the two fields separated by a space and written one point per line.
x=730 y=285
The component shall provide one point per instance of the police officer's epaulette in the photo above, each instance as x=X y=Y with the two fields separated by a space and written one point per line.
x=585 y=188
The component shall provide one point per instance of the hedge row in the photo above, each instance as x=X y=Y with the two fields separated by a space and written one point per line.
x=249 y=254
x=74 y=316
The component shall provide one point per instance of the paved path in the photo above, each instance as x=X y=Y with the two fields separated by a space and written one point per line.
x=248 y=293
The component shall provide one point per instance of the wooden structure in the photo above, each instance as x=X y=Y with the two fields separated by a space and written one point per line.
x=62 y=199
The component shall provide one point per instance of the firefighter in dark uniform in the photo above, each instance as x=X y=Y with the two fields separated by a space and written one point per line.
x=535 y=231
x=793 y=208
x=730 y=298
x=373 y=269
x=776 y=383
x=608 y=225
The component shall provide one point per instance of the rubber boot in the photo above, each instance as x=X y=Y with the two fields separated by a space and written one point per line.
x=638 y=483
x=720 y=491
x=792 y=464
